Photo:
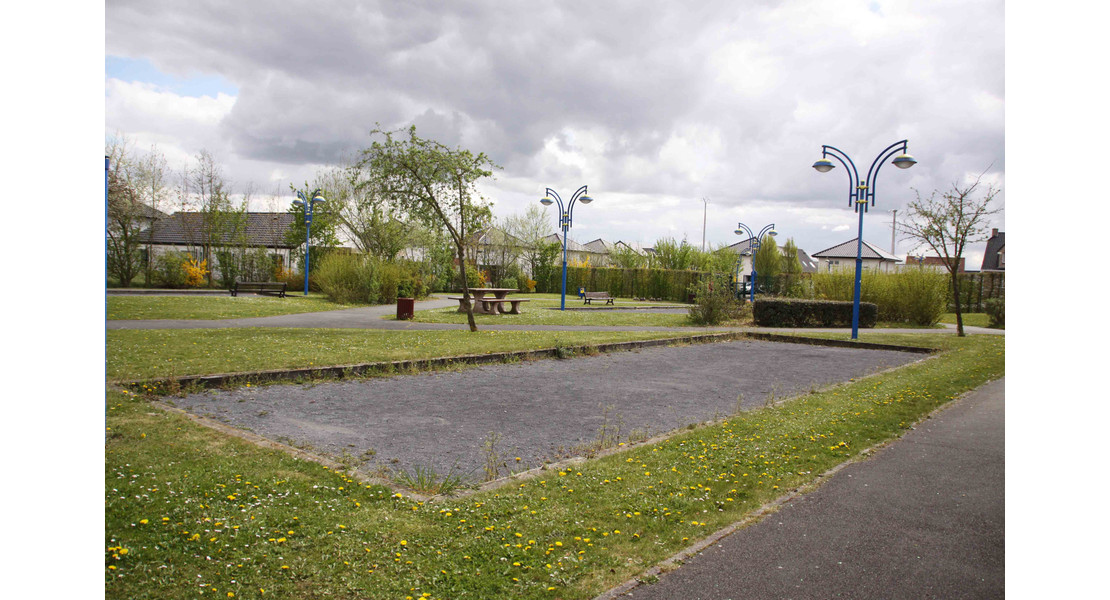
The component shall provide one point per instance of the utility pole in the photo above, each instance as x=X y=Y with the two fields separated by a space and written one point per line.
x=705 y=209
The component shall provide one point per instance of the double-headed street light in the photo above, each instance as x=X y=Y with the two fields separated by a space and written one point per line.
x=317 y=196
x=754 y=242
x=565 y=213
x=858 y=195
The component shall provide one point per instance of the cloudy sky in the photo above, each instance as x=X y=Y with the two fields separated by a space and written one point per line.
x=654 y=105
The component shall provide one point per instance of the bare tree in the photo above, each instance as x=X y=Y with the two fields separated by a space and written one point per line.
x=125 y=212
x=947 y=223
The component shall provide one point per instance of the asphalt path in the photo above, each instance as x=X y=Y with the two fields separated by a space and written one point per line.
x=924 y=518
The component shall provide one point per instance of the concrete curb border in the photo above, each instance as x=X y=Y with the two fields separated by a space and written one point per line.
x=362 y=369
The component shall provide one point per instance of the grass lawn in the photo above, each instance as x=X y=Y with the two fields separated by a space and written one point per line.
x=215 y=307
x=537 y=312
x=190 y=511
x=154 y=353
x=970 y=319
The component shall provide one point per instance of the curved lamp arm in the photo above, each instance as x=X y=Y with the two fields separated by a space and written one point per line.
x=849 y=166
x=873 y=172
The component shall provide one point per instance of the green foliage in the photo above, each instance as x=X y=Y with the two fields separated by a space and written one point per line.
x=430 y=182
x=912 y=295
x=672 y=255
x=624 y=257
x=996 y=311
x=623 y=283
x=714 y=302
x=169 y=269
x=784 y=312
x=349 y=278
x=767 y=263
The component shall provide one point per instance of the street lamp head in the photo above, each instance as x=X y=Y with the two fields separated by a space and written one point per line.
x=904 y=161
x=824 y=165
x=299 y=202
x=546 y=201
x=772 y=233
x=739 y=232
x=585 y=199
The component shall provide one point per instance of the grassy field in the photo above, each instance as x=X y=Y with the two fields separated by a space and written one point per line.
x=190 y=512
x=215 y=307
x=970 y=319
x=152 y=353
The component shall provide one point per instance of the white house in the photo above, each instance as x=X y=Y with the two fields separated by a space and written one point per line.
x=843 y=256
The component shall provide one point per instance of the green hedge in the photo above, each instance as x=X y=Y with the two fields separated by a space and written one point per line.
x=662 y=284
x=784 y=312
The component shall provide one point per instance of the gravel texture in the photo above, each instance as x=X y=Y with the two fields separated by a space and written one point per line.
x=539 y=411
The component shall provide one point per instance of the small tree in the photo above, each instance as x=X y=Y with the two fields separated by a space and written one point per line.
x=791 y=269
x=125 y=212
x=433 y=183
x=625 y=257
x=767 y=263
x=948 y=223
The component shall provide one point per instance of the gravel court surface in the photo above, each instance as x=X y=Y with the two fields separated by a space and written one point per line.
x=540 y=409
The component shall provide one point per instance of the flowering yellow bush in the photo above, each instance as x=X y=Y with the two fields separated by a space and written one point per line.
x=531 y=283
x=195 y=272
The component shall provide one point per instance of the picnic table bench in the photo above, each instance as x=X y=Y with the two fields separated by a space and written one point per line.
x=597 y=296
x=491 y=305
x=259 y=287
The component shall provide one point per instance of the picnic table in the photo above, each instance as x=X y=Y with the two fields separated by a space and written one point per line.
x=491 y=301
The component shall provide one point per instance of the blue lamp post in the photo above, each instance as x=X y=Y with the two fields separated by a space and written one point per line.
x=754 y=242
x=306 y=204
x=565 y=213
x=859 y=192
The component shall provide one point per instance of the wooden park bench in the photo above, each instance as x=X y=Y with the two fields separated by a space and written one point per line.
x=259 y=287
x=597 y=296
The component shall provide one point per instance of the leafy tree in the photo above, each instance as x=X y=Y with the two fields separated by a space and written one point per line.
x=625 y=257
x=125 y=214
x=791 y=268
x=948 y=223
x=670 y=254
x=767 y=263
x=325 y=218
x=432 y=183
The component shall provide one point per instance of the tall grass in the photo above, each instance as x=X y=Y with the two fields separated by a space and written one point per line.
x=350 y=278
x=914 y=296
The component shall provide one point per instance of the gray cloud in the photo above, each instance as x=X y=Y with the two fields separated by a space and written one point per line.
x=723 y=99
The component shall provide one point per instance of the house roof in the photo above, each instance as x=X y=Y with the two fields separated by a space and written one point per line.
x=935 y=261
x=186 y=229
x=990 y=257
x=848 y=250
x=599 y=245
x=572 y=246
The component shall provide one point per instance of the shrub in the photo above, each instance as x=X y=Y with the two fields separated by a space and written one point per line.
x=509 y=282
x=714 y=303
x=920 y=297
x=996 y=311
x=347 y=278
x=782 y=312
x=195 y=272
x=169 y=269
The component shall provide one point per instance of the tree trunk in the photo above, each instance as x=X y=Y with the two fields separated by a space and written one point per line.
x=956 y=297
x=466 y=289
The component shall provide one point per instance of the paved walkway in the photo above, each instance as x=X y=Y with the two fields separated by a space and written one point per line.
x=924 y=518
x=370 y=317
